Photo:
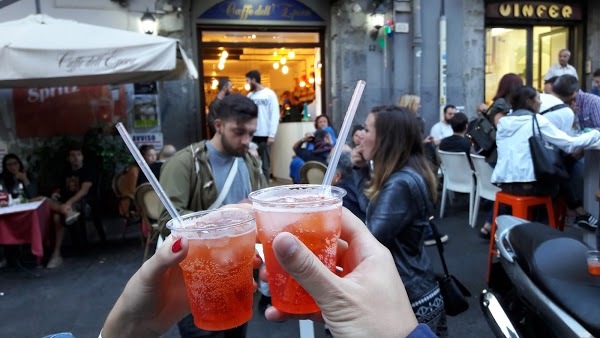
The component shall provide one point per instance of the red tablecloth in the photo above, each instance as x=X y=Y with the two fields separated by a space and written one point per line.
x=26 y=227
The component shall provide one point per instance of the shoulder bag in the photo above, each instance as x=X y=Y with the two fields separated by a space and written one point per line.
x=454 y=292
x=547 y=159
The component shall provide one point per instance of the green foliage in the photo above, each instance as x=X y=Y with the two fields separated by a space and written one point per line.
x=103 y=150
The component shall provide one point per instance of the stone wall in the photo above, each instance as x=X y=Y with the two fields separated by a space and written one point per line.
x=593 y=38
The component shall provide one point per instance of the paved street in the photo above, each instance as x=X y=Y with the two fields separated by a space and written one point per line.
x=77 y=296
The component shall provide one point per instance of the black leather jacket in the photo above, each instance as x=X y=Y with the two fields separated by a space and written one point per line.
x=399 y=222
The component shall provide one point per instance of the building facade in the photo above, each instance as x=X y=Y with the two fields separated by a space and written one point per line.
x=445 y=51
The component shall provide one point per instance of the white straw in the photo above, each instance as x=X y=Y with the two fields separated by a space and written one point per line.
x=337 y=151
x=149 y=175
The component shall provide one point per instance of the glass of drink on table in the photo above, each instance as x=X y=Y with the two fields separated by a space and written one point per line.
x=312 y=213
x=217 y=270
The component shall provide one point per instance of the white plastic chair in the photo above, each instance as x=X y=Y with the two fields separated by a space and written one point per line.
x=485 y=188
x=458 y=177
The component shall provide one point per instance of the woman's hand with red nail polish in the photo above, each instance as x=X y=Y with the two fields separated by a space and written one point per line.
x=155 y=297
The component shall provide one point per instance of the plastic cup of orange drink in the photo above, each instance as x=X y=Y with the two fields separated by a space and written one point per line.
x=217 y=270
x=593 y=261
x=313 y=214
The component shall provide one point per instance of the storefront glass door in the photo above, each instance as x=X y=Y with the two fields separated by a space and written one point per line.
x=290 y=63
x=505 y=52
x=527 y=52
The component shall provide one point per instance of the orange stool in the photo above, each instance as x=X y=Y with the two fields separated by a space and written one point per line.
x=521 y=207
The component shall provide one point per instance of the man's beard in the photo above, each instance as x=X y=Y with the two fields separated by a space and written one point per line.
x=231 y=150
x=253 y=87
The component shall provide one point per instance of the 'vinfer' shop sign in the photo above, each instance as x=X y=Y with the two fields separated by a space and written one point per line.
x=533 y=10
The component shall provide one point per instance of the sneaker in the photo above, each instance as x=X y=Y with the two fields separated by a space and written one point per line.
x=587 y=222
x=54 y=262
x=71 y=217
x=430 y=240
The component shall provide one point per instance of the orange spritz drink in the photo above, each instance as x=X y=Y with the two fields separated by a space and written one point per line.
x=314 y=216
x=217 y=270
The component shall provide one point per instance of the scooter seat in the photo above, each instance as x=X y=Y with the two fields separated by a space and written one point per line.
x=557 y=265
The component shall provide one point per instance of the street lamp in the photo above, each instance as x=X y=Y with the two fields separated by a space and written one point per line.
x=148 y=23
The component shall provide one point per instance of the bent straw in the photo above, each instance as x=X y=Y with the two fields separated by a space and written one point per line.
x=149 y=175
x=337 y=150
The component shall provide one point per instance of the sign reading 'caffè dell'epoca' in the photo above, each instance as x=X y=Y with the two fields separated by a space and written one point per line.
x=533 y=10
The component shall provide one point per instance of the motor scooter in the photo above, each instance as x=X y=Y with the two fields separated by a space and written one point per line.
x=541 y=286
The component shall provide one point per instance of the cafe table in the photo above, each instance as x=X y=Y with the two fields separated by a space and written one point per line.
x=25 y=223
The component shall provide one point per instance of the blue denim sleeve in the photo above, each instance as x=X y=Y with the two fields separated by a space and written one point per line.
x=422 y=331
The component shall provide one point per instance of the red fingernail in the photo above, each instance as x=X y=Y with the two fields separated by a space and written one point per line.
x=176 y=246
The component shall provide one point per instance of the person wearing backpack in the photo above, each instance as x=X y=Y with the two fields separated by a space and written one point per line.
x=215 y=172
x=483 y=135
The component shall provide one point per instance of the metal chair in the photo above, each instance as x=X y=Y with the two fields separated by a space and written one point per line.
x=149 y=203
x=312 y=172
x=458 y=177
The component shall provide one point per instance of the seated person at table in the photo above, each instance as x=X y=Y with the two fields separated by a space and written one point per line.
x=133 y=177
x=322 y=123
x=13 y=173
x=149 y=154
x=344 y=179
x=69 y=201
x=457 y=142
x=317 y=148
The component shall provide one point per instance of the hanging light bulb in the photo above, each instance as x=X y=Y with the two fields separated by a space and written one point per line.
x=318 y=80
x=224 y=54
x=282 y=61
x=275 y=65
x=291 y=54
x=285 y=69
x=275 y=53
x=247 y=87
x=311 y=80
x=214 y=84
x=213 y=73
x=221 y=66
x=319 y=65
x=302 y=84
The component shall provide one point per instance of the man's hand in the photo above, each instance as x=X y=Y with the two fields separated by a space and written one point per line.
x=428 y=139
x=65 y=208
x=22 y=176
x=270 y=140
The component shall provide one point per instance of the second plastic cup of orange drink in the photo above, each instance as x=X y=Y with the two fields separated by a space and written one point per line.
x=217 y=270
x=313 y=214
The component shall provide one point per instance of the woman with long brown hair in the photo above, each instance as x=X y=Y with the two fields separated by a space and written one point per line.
x=400 y=189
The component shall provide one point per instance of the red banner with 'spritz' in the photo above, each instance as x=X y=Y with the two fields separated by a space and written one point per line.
x=44 y=112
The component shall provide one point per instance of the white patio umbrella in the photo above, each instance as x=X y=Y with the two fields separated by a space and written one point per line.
x=40 y=51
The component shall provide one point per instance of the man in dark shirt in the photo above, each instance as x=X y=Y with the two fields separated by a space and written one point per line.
x=344 y=179
x=69 y=200
x=457 y=142
x=224 y=88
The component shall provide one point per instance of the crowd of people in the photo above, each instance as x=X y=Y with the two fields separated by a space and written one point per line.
x=389 y=169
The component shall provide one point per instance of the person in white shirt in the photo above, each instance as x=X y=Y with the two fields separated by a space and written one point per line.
x=443 y=129
x=562 y=67
x=558 y=113
x=514 y=170
x=268 y=118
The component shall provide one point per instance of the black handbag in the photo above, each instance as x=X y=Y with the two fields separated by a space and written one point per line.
x=483 y=134
x=547 y=159
x=454 y=292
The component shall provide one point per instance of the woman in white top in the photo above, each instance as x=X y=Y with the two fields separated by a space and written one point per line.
x=514 y=170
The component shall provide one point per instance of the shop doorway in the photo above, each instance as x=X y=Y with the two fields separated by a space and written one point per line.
x=290 y=63
x=525 y=51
